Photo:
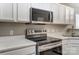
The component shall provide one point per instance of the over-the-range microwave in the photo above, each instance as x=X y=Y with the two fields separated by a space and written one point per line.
x=40 y=16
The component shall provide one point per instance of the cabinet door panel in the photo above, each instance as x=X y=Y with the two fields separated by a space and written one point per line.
x=61 y=14
x=70 y=46
x=23 y=51
x=6 y=11
x=72 y=16
x=23 y=12
x=58 y=13
x=54 y=9
x=67 y=17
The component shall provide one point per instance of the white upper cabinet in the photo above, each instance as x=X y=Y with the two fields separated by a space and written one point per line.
x=23 y=12
x=58 y=13
x=67 y=17
x=43 y=6
x=61 y=14
x=72 y=16
x=54 y=9
x=6 y=11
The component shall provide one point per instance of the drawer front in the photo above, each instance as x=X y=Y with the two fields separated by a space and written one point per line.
x=23 y=51
x=70 y=41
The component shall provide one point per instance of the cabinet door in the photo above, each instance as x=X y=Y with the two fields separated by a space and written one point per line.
x=23 y=12
x=70 y=46
x=72 y=16
x=6 y=11
x=67 y=17
x=54 y=9
x=44 y=6
x=61 y=14
x=22 y=51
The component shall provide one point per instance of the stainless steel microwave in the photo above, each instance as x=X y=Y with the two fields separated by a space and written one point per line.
x=39 y=15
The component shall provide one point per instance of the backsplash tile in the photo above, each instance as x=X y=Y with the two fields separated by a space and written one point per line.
x=19 y=28
x=54 y=29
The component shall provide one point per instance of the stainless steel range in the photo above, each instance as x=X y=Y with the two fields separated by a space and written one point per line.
x=44 y=43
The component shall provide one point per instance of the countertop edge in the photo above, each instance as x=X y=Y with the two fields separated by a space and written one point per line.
x=12 y=49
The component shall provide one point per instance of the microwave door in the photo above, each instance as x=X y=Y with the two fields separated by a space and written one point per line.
x=40 y=15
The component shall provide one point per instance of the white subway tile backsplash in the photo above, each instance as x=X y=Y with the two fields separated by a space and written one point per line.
x=19 y=29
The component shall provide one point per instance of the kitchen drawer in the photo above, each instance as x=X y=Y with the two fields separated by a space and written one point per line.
x=22 y=51
x=70 y=41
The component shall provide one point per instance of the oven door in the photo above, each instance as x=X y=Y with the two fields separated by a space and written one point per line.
x=51 y=49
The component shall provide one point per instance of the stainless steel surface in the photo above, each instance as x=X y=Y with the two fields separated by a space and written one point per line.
x=39 y=15
x=49 y=46
x=35 y=31
x=43 y=42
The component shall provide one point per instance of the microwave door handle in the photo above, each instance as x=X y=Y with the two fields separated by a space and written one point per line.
x=51 y=16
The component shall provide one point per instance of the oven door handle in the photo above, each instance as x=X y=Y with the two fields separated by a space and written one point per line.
x=53 y=44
